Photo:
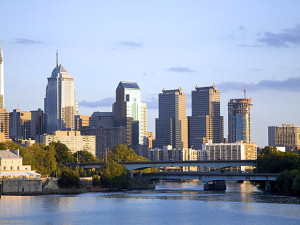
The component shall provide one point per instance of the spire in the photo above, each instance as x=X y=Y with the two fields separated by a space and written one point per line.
x=0 y=52
x=56 y=58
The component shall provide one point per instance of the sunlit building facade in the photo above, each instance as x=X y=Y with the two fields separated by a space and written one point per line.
x=59 y=103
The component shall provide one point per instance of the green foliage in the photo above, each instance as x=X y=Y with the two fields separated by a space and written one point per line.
x=273 y=161
x=121 y=153
x=68 y=179
x=286 y=163
x=296 y=185
x=284 y=182
x=82 y=172
x=42 y=160
x=96 y=180
x=63 y=153
x=115 y=176
x=2 y=146
x=85 y=156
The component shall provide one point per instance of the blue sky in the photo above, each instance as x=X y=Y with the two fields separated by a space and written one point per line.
x=159 y=44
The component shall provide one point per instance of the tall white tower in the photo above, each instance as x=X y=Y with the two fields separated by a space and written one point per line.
x=59 y=103
x=1 y=80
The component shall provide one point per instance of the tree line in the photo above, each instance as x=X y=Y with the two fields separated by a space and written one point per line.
x=287 y=164
x=52 y=161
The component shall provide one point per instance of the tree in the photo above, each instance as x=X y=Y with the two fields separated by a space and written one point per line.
x=68 y=179
x=85 y=156
x=296 y=185
x=121 y=153
x=96 y=180
x=273 y=161
x=42 y=160
x=63 y=153
x=115 y=176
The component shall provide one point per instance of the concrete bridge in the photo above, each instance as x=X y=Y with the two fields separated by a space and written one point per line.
x=210 y=176
x=217 y=164
x=213 y=180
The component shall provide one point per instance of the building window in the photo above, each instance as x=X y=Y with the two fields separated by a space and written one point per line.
x=127 y=98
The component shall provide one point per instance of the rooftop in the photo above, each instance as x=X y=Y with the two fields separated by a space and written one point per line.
x=125 y=84
x=6 y=154
x=57 y=70
x=102 y=114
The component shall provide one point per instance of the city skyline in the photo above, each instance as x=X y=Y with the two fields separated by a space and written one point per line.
x=183 y=45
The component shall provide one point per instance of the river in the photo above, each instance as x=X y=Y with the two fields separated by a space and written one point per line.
x=169 y=203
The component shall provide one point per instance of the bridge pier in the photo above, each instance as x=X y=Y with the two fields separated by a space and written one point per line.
x=215 y=185
x=268 y=186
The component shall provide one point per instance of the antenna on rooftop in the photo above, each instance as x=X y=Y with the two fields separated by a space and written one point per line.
x=56 y=58
x=245 y=92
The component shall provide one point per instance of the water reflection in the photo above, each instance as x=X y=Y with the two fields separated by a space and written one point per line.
x=170 y=202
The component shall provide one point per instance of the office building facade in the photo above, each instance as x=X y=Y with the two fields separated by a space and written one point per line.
x=286 y=136
x=19 y=124
x=4 y=123
x=206 y=123
x=171 y=124
x=130 y=112
x=37 y=123
x=59 y=103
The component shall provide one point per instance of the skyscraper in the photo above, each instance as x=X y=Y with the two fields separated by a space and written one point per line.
x=239 y=120
x=171 y=124
x=130 y=112
x=1 y=80
x=4 y=122
x=19 y=124
x=37 y=123
x=205 y=123
x=59 y=103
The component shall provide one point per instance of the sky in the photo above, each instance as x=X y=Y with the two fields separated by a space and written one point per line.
x=250 y=44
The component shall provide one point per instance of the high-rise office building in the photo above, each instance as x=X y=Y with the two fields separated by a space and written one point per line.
x=1 y=79
x=4 y=122
x=239 y=120
x=37 y=123
x=171 y=124
x=286 y=136
x=19 y=124
x=59 y=103
x=205 y=123
x=129 y=111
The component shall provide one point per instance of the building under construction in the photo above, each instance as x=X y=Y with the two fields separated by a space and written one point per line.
x=239 y=120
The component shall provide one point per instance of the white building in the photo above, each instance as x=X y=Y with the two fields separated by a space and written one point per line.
x=59 y=103
x=73 y=140
x=229 y=151
x=15 y=177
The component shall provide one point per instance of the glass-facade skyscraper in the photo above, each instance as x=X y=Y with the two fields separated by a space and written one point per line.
x=239 y=120
x=130 y=112
x=59 y=103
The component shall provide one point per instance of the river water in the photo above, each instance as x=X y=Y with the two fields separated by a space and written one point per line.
x=169 y=203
